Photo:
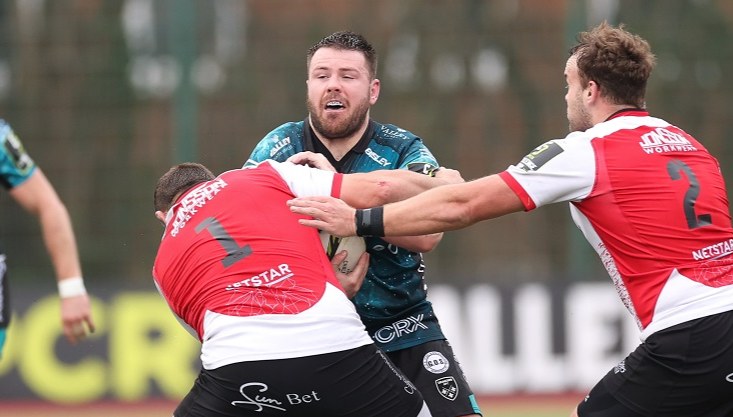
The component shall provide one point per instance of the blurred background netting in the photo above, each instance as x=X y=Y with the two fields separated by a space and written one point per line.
x=107 y=94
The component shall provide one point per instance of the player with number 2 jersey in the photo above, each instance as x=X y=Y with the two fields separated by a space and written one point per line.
x=668 y=251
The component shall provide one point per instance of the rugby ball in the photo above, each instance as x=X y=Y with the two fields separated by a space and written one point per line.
x=355 y=246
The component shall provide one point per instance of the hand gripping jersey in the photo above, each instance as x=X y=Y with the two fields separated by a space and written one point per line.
x=253 y=284
x=392 y=301
x=651 y=201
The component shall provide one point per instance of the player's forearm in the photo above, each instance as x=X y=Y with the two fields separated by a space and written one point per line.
x=445 y=208
x=434 y=211
x=397 y=185
x=59 y=239
x=422 y=243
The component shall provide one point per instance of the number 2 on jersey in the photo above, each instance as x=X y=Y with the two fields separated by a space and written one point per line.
x=674 y=168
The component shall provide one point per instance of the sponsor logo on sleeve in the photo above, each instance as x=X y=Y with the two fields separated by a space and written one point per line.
x=540 y=156
x=14 y=148
x=422 y=168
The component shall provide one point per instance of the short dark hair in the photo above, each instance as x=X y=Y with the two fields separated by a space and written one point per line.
x=617 y=60
x=179 y=179
x=348 y=41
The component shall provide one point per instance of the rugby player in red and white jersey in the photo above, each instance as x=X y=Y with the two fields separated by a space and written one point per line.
x=651 y=201
x=279 y=335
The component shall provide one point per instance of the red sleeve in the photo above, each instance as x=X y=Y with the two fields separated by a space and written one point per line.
x=338 y=179
x=514 y=185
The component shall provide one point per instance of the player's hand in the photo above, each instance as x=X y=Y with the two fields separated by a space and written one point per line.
x=312 y=159
x=352 y=281
x=76 y=318
x=329 y=214
x=449 y=176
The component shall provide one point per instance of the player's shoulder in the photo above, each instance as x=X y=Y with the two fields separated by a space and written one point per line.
x=5 y=130
x=393 y=133
x=279 y=144
x=397 y=139
x=14 y=159
x=289 y=128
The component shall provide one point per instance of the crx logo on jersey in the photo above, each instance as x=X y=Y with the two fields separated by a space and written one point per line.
x=399 y=328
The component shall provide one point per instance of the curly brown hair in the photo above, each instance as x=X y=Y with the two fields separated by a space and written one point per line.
x=617 y=60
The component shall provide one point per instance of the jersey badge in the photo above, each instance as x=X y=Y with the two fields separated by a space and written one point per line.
x=435 y=362
x=17 y=154
x=447 y=387
x=540 y=156
x=422 y=168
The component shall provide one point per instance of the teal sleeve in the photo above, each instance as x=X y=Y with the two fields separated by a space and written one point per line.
x=16 y=165
x=418 y=158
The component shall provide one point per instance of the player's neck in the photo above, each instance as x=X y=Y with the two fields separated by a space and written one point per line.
x=338 y=147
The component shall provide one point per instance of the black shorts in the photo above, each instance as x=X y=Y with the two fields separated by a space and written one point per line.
x=685 y=370
x=434 y=370
x=358 y=382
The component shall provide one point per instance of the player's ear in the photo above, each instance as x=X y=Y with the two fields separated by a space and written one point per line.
x=374 y=91
x=161 y=216
x=593 y=91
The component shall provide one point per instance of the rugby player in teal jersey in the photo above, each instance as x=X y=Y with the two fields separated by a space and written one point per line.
x=28 y=186
x=392 y=302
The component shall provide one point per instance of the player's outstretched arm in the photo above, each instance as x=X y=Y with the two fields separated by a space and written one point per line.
x=376 y=188
x=37 y=196
x=444 y=208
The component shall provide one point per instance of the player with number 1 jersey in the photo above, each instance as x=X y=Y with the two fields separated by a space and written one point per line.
x=257 y=289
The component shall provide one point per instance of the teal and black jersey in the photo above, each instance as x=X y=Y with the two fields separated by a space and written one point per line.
x=392 y=301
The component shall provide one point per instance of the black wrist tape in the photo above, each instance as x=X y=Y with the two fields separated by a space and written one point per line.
x=370 y=222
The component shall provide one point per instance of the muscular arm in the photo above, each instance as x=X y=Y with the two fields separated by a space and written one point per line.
x=445 y=208
x=376 y=188
x=37 y=196
x=422 y=243
x=451 y=207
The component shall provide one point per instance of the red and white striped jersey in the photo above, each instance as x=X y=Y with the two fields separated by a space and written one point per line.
x=652 y=202
x=235 y=266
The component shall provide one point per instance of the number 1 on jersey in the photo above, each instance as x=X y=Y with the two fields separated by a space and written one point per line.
x=235 y=253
